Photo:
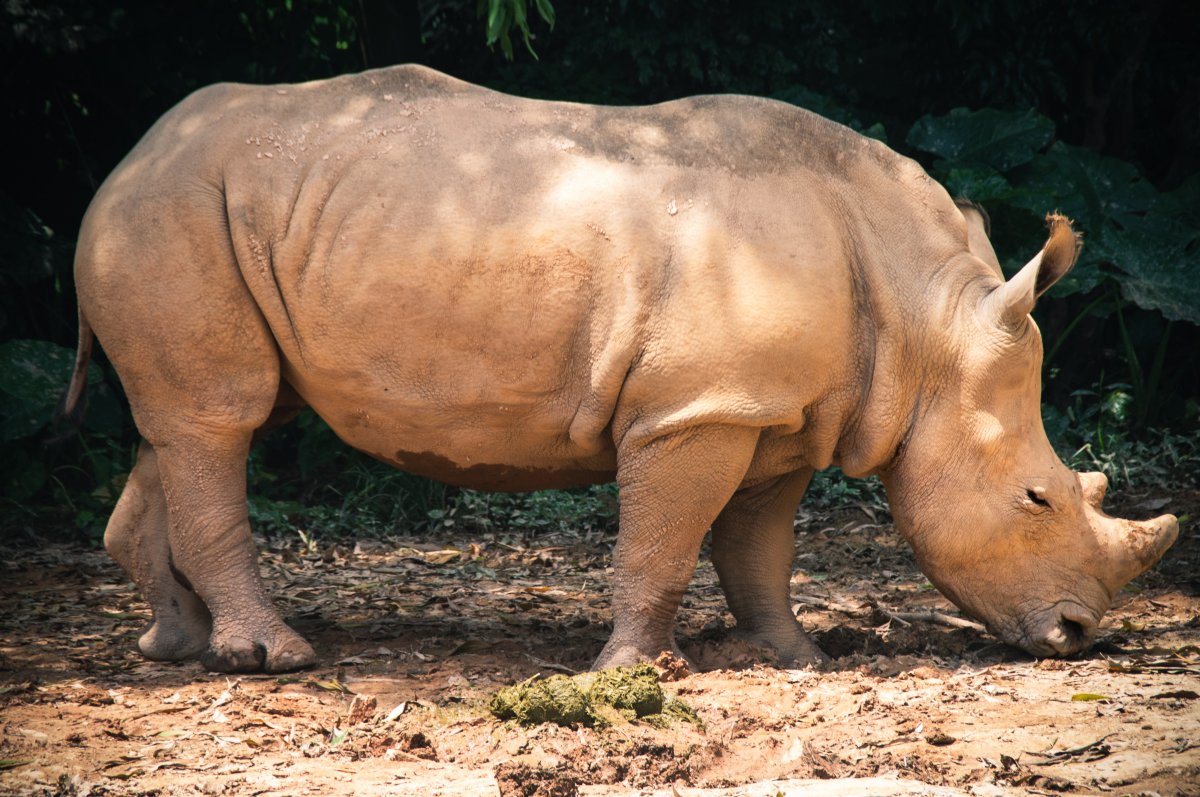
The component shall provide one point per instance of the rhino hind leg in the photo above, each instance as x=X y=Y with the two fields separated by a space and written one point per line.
x=752 y=550
x=211 y=546
x=136 y=537
x=159 y=283
x=671 y=490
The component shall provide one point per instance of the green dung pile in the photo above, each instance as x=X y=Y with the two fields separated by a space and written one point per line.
x=595 y=699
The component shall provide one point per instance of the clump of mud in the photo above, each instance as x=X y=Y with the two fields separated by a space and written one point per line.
x=520 y=780
x=595 y=699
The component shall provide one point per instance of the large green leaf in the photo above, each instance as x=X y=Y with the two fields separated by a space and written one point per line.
x=1160 y=254
x=1089 y=188
x=977 y=183
x=33 y=376
x=1102 y=195
x=999 y=139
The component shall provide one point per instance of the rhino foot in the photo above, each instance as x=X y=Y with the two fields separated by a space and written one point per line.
x=283 y=650
x=616 y=654
x=792 y=650
x=179 y=631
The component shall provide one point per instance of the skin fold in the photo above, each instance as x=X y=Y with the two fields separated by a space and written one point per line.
x=705 y=300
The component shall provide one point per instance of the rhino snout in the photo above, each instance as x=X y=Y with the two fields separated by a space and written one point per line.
x=1063 y=629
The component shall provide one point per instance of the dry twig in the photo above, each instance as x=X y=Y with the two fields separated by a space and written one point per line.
x=905 y=618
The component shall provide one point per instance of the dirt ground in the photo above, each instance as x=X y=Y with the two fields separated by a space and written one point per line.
x=415 y=633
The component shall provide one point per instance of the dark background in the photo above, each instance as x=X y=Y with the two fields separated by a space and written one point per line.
x=1090 y=107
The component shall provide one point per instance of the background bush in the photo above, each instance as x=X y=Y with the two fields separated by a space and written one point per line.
x=1092 y=108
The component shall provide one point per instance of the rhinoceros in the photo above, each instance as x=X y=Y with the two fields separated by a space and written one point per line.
x=704 y=300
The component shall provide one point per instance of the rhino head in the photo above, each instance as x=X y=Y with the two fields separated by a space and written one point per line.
x=998 y=523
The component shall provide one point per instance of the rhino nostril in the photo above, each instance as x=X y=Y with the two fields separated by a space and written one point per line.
x=1068 y=636
x=1075 y=632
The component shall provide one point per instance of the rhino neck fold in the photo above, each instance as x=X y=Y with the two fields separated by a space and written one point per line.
x=908 y=350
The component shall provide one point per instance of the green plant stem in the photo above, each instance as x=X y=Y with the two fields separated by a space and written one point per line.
x=1156 y=369
x=1084 y=313
x=1136 y=375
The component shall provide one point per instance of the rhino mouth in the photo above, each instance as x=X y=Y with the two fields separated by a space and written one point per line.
x=1060 y=630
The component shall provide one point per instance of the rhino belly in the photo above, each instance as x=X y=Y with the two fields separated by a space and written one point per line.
x=479 y=445
x=506 y=477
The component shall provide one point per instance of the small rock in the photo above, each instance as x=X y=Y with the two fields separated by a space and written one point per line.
x=362 y=709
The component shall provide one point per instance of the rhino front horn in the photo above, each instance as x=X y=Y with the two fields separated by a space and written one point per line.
x=1135 y=545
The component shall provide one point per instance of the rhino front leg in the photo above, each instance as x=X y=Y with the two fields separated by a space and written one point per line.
x=752 y=549
x=205 y=486
x=671 y=490
x=136 y=537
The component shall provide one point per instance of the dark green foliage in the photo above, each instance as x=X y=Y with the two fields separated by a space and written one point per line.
x=986 y=139
x=1141 y=254
x=504 y=15
x=1089 y=108
x=83 y=475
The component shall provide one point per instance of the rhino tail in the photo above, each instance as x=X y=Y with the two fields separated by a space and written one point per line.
x=73 y=405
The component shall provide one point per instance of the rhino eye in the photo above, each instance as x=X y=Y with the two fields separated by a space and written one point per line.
x=1037 y=497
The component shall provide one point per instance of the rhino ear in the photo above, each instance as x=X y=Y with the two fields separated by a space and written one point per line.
x=979 y=227
x=1014 y=300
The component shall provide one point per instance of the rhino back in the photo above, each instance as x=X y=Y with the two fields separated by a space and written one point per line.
x=458 y=279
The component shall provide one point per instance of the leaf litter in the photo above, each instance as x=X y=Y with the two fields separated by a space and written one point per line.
x=416 y=635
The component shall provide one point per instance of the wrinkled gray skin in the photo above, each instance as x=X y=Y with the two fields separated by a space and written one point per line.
x=705 y=300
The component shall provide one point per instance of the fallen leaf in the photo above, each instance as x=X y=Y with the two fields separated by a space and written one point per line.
x=1153 y=504
x=169 y=765
x=442 y=557
x=1178 y=694
x=1092 y=751
x=221 y=740
x=472 y=646
x=332 y=685
x=122 y=615
x=1090 y=696
x=1180 y=661
x=133 y=773
x=11 y=763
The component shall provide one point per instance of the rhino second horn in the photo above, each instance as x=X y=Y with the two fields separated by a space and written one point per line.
x=1095 y=486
